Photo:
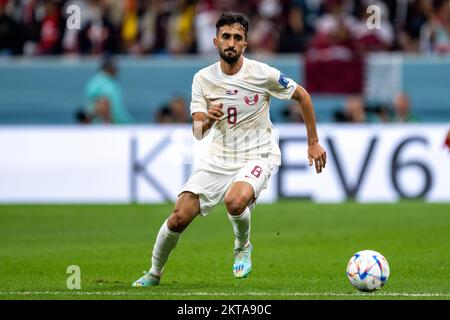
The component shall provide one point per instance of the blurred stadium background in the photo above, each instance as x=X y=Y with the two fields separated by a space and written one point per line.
x=71 y=133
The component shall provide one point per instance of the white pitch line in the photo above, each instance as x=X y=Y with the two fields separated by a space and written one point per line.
x=221 y=294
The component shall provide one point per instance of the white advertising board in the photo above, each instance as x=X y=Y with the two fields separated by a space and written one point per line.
x=368 y=163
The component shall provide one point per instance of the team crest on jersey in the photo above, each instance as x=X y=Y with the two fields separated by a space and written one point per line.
x=251 y=100
x=283 y=80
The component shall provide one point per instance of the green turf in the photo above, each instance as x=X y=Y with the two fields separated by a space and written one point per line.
x=301 y=251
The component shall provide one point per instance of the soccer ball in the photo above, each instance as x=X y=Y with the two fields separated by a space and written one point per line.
x=368 y=270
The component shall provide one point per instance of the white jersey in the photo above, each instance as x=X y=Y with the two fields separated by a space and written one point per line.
x=245 y=131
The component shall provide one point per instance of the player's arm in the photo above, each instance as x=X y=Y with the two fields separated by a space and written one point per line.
x=315 y=152
x=202 y=122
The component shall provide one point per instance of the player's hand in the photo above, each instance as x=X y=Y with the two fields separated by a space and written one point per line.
x=318 y=156
x=215 y=112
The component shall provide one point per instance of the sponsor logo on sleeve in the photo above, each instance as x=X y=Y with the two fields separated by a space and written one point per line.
x=283 y=80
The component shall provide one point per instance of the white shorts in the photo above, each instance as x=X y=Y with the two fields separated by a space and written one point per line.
x=212 y=179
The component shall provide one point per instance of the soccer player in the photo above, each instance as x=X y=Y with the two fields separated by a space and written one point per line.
x=232 y=96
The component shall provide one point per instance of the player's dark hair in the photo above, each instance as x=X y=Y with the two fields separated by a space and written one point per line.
x=230 y=18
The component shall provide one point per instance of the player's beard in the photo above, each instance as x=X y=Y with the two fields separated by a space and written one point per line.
x=229 y=59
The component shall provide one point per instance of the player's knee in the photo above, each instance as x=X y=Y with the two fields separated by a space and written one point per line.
x=186 y=208
x=236 y=204
x=177 y=222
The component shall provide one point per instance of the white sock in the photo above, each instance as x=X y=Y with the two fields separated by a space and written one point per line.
x=164 y=244
x=241 y=227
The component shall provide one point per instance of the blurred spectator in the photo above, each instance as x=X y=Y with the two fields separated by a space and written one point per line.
x=164 y=115
x=435 y=34
x=376 y=39
x=11 y=32
x=31 y=22
x=336 y=19
x=357 y=111
x=82 y=116
x=263 y=36
x=181 y=28
x=130 y=27
x=99 y=35
x=104 y=96
x=333 y=62
x=418 y=13
x=147 y=27
x=294 y=35
x=51 y=26
x=70 y=37
x=402 y=108
x=354 y=111
x=161 y=20
x=205 y=26
x=311 y=11
x=176 y=111
x=379 y=113
x=291 y=112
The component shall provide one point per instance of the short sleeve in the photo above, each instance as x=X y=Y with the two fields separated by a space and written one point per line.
x=279 y=85
x=198 y=101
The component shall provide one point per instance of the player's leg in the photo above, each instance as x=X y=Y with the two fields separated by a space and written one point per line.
x=186 y=209
x=237 y=200
x=240 y=200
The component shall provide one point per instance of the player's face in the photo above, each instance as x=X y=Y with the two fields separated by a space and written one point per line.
x=231 y=42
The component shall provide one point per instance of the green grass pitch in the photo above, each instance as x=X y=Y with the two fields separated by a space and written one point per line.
x=301 y=250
